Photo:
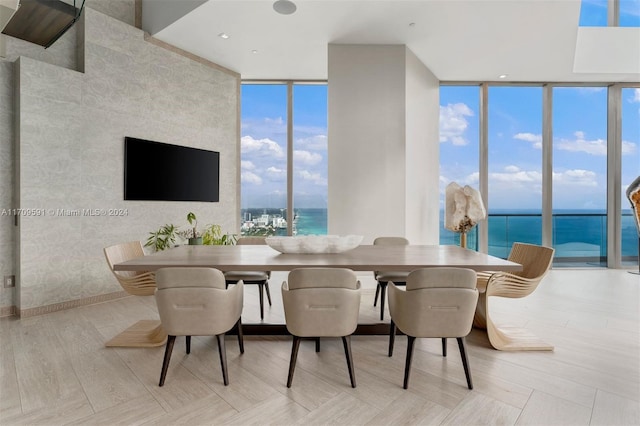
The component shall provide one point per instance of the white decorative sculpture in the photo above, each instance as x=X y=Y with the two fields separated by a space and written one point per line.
x=463 y=209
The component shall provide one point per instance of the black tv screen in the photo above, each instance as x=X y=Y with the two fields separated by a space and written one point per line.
x=163 y=172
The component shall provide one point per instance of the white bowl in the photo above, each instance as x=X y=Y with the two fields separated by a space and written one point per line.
x=312 y=244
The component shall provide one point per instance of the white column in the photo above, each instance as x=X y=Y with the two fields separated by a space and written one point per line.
x=383 y=144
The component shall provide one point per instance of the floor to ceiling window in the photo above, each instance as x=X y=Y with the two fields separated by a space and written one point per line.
x=580 y=176
x=515 y=167
x=263 y=164
x=310 y=158
x=459 y=134
x=630 y=170
x=267 y=207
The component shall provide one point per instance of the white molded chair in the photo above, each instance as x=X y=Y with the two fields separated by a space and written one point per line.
x=144 y=333
x=384 y=277
x=536 y=261
x=196 y=302
x=437 y=302
x=321 y=302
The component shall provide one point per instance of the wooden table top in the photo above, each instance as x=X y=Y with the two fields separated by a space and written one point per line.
x=362 y=258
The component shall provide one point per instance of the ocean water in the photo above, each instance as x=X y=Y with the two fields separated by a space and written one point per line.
x=576 y=233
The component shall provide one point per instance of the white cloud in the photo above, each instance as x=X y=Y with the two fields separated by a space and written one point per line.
x=515 y=175
x=574 y=177
x=592 y=147
x=472 y=178
x=580 y=144
x=636 y=95
x=278 y=121
x=453 y=123
x=306 y=158
x=247 y=165
x=316 y=142
x=530 y=137
x=628 y=147
x=264 y=147
x=316 y=178
x=250 y=177
x=273 y=169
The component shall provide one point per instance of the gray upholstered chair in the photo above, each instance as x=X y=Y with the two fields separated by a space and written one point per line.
x=321 y=302
x=195 y=302
x=383 y=277
x=437 y=302
x=260 y=278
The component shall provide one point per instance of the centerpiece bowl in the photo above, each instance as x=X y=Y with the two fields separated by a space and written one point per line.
x=313 y=244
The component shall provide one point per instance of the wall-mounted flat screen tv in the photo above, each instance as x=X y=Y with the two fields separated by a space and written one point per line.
x=164 y=172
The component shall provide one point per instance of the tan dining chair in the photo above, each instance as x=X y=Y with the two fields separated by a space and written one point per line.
x=321 y=302
x=259 y=278
x=437 y=302
x=536 y=261
x=196 y=302
x=144 y=333
x=383 y=277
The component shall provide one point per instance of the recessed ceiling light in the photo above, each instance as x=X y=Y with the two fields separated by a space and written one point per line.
x=502 y=76
x=284 y=7
x=223 y=35
x=254 y=51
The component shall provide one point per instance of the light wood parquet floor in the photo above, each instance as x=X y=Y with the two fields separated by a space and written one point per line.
x=55 y=370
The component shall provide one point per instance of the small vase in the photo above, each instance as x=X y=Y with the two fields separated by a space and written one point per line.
x=195 y=241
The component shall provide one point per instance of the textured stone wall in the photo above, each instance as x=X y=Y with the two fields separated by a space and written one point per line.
x=71 y=129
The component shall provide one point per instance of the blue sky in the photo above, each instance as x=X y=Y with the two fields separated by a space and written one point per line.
x=264 y=141
x=515 y=136
x=515 y=154
x=593 y=13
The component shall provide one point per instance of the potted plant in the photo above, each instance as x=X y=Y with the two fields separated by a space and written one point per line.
x=165 y=237
x=194 y=238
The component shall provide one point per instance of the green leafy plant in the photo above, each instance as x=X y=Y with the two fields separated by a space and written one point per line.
x=213 y=235
x=191 y=218
x=163 y=238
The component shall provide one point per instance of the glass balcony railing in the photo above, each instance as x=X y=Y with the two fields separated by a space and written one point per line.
x=580 y=239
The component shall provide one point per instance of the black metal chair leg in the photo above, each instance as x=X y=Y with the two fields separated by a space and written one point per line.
x=266 y=287
x=223 y=357
x=444 y=346
x=375 y=299
x=188 y=344
x=167 y=357
x=240 y=335
x=260 y=290
x=383 y=290
x=294 y=357
x=392 y=336
x=346 y=342
x=317 y=344
x=465 y=362
x=407 y=366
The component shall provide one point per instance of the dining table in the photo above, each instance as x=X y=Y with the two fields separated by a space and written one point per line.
x=361 y=258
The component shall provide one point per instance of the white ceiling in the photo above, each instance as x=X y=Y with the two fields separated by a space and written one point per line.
x=458 y=40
